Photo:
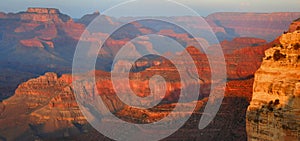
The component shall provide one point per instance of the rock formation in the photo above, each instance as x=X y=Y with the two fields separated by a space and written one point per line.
x=44 y=24
x=274 y=111
x=241 y=42
x=44 y=105
x=44 y=15
x=33 y=42
x=295 y=25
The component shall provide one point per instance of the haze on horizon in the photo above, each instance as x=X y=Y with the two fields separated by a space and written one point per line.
x=77 y=9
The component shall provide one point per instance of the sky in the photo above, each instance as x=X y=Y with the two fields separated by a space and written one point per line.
x=78 y=8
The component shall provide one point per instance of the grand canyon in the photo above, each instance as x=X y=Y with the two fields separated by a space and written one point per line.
x=262 y=58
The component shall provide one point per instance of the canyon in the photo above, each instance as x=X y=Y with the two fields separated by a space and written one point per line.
x=37 y=100
x=43 y=40
x=45 y=108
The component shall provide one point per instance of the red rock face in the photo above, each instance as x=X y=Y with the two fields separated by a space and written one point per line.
x=31 y=43
x=294 y=26
x=43 y=10
x=171 y=33
x=47 y=34
x=241 y=61
x=2 y=15
x=244 y=62
x=26 y=27
x=30 y=103
x=44 y=15
x=43 y=24
x=237 y=43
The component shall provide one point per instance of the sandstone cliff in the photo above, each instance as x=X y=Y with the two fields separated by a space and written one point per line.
x=274 y=111
x=40 y=107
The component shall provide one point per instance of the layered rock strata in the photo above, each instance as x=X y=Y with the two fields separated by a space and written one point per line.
x=274 y=112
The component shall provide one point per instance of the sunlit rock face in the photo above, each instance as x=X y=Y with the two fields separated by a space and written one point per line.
x=274 y=112
x=44 y=15
x=45 y=107
x=295 y=25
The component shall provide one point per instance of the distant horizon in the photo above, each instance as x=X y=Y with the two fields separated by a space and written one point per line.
x=60 y=10
x=77 y=9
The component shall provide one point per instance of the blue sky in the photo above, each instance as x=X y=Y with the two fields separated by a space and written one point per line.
x=77 y=8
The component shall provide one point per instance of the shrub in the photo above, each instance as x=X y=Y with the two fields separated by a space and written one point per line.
x=278 y=45
x=277 y=55
x=276 y=102
x=271 y=109
x=281 y=45
x=269 y=57
x=270 y=102
x=296 y=46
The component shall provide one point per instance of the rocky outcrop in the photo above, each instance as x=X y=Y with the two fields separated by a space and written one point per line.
x=88 y=18
x=274 y=111
x=43 y=10
x=237 y=43
x=43 y=23
x=36 y=41
x=295 y=25
x=32 y=43
x=44 y=15
x=44 y=105
x=244 y=62
x=107 y=23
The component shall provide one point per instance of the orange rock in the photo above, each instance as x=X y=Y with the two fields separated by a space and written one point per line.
x=32 y=43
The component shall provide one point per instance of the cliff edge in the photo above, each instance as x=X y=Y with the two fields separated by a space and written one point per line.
x=274 y=112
